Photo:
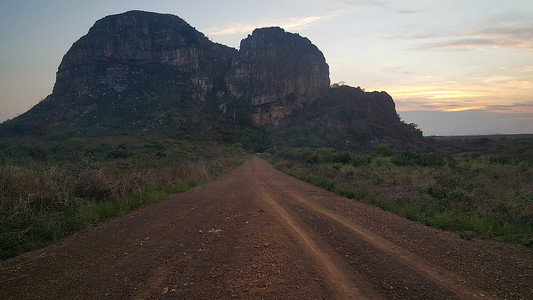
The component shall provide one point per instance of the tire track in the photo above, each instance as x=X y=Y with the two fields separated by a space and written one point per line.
x=337 y=279
x=279 y=238
x=444 y=278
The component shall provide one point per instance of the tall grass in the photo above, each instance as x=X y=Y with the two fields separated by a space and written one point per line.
x=472 y=195
x=63 y=189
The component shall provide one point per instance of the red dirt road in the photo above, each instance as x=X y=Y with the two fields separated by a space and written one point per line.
x=258 y=233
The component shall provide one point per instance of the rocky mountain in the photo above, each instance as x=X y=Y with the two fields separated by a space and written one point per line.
x=277 y=72
x=120 y=51
x=142 y=71
x=136 y=70
x=348 y=117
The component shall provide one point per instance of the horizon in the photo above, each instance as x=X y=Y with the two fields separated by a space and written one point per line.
x=461 y=68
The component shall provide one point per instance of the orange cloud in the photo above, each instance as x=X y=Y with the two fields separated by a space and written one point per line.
x=502 y=94
x=464 y=108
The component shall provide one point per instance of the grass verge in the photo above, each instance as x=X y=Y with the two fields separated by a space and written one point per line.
x=49 y=191
x=475 y=198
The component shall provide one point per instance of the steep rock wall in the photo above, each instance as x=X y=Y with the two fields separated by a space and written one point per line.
x=122 y=50
x=149 y=72
x=277 y=72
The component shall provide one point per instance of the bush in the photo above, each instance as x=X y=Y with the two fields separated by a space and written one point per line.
x=313 y=158
x=153 y=145
x=406 y=158
x=433 y=159
x=361 y=160
x=378 y=180
x=119 y=153
x=503 y=160
x=383 y=149
x=348 y=170
x=343 y=157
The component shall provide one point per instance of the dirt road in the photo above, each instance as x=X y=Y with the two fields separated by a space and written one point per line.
x=258 y=233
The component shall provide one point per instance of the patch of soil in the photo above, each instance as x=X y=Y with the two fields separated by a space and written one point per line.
x=258 y=233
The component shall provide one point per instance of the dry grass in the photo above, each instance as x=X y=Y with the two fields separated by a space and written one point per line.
x=61 y=191
x=475 y=194
x=26 y=190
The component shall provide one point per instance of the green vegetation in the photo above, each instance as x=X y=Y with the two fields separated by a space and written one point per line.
x=54 y=186
x=486 y=195
x=51 y=188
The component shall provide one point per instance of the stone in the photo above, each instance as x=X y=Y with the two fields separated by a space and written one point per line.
x=277 y=72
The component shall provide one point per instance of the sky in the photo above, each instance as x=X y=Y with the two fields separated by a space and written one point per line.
x=454 y=67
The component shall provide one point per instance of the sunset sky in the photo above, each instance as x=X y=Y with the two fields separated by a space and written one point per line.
x=453 y=67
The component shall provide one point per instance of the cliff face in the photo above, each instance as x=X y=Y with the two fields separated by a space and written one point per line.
x=159 y=57
x=141 y=71
x=277 y=72
x=121 y=51
x=135 y=71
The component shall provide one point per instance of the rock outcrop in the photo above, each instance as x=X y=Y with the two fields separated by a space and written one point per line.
x=142 y=71
x=121 y=52
x=128 y=59
x=348 y=117
x=277 y=72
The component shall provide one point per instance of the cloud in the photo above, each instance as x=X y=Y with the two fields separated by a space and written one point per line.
x=379 y=4
x=459 y=44
x=290 y=24
x=503 y=31
x=478 y=42
x=469 y=122
x=401 y=70
x=407 y=11
x=462 y=108
x=511 y=108
x=493 y=79
x=499 y=94
x=458 y=105
x=301 y=23
x=403 y=36
x=358 y=3
x=527 y=69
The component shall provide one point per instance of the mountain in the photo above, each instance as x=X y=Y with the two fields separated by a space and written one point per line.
x=277 y=72
x=149 y=72
x=136 y=70
x=348 y=117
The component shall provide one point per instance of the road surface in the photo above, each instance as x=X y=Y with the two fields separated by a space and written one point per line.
x=258 y=233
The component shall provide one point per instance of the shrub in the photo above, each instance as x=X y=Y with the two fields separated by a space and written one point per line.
x=434 y=192
x=433 y=159
x=153 y=145
x=348 y=170
x=378 y=180
x=361 y=160
x=406 y=158
x=119 y=153
x=383 y=149
x=313 y=158
x=343 y=157
x=35 y=152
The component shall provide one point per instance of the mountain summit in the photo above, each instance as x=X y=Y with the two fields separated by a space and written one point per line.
x=143 y=71
x=277 y=72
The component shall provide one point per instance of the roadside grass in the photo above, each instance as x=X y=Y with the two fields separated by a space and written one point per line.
x=51 y=189
x=95 y=213
x=474 y=195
